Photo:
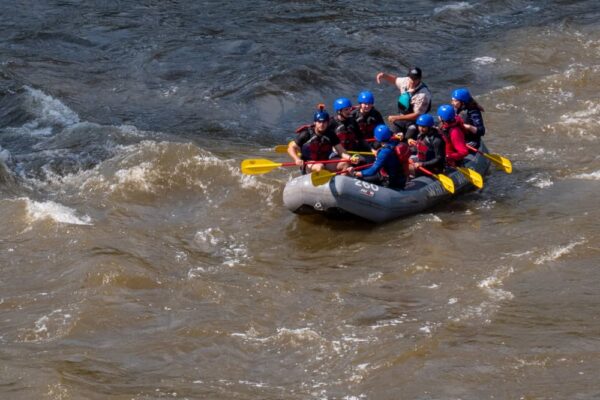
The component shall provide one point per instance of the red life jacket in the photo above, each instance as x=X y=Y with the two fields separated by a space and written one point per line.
x=348 y=138
x=366 y=124
x=446 y=126
x=318 y=147
x=403 y=153
x=445 y=131
x=422 y=150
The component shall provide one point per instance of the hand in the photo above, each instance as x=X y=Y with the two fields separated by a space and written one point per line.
x=393 y=118
x=299 y=162
x=356 y=159
x=399 y=136
x=418 y=165
x=412 y=142
x=379 y=76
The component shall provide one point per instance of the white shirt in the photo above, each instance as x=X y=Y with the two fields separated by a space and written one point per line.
x=420 y=101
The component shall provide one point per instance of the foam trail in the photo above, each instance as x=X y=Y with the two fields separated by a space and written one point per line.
x=38 y=211
x=50 y=111
x=558 y=252
x=593 y=176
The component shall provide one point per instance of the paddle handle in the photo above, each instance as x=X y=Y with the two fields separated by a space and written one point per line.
x=474 y=149
x=325 y=161
x=427 y=172
x=291 y=163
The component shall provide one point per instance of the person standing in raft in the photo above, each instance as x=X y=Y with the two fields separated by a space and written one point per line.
x=316 y=142
x=346 y=128
x=414 y=100
x=365 y=115
x=470 y=111
x=390 y=169
x=453 y=133
x=431 y=148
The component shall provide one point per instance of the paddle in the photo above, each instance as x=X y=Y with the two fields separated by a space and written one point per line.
x=472 y=176
x=501 y=162
x=446 y=182
x=262 y=166
x=321 y=177
x=282 y=149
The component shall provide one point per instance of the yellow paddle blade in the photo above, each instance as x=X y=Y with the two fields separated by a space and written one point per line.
x=321 y=177
x=472 y=176
x=258 y=166
x=446 y=182
x=502 y=162
x=281 y=148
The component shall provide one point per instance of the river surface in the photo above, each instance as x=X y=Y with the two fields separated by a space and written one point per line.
x=137 y=262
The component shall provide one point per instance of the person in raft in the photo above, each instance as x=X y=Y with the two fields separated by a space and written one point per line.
x=388 y=170
x=365 y=115
x=316 y=142
x=414 y=100
x=430 y=146
x=453 y=132
x=470 y=111
x=346 y=128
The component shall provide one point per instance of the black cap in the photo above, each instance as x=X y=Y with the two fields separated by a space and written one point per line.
x=414 y=73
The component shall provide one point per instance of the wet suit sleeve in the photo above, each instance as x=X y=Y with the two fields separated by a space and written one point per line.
x=379 y=161
x=477 y=121
x=376 y=115
x=438 y=150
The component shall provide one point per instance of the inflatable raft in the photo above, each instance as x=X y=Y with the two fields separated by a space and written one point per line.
x=347 y=195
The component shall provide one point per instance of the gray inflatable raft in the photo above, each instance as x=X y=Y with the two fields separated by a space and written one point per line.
x=346 y=195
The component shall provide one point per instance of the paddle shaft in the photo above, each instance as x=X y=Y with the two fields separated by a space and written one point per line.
x=322 y=177
x=291 y=163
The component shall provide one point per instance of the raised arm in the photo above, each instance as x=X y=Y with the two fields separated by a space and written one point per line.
x=386 y=77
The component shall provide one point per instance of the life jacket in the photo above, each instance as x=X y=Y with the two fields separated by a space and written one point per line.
x=366 y=123
x=348 y=137
x=318 y=147
x=445 y=132
x=446 y=126
x=404 y=104
x=402 y=151
x=425 y=151
x=472 y=116
x=396 y=178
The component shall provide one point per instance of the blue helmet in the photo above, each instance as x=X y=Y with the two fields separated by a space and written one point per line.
x=382 y=133
x=425 y=120
x=446 y=113
x=341 y=103
x=321 y=116
x=366 y=97
x=462 y=94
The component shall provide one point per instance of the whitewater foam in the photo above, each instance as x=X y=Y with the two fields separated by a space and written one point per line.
x=37 y=211
x=557 y=252
x=228 y=248
x=540 y=181
x=484 y=60
x=48 y=110
x=593 y=176
x=463 y=5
